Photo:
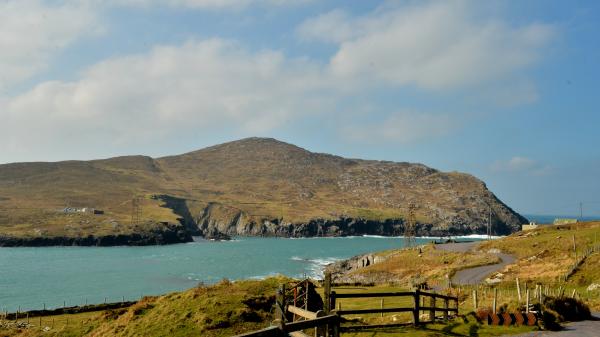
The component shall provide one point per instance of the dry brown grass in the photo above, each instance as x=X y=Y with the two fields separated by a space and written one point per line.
x=430 y=265
x=546 y=253
x=264 y=178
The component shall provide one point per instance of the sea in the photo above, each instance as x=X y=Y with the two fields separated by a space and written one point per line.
x=51 y=277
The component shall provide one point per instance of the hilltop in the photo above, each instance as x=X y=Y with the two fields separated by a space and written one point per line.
x=253 y=186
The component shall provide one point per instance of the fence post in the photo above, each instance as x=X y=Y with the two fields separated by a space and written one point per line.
x=382 y=308
x=332 y=300
x=416 y=309
x=574 y=248
x=327 y=291
x=475 y=300
x=527 y=303
x=446 y=307
x=495 y=299
x=432 y=310
x=280 y=307
x=320 y=330
x=519 y=290
x=336 y=328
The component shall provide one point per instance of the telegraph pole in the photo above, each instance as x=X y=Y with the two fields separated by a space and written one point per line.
x=136 y=210
x=580 y=210
x=410 y=228
x=489 y=224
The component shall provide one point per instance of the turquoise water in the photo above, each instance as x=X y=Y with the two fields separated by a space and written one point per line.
x=32 y=277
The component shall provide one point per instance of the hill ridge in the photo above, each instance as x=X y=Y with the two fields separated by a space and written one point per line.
x=253 y=186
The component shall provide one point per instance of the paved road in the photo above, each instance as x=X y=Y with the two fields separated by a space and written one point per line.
x=576 y=329
x=478 y=274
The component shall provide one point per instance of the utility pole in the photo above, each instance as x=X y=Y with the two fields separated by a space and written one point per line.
x=136 y=210
x=489 y=225
x=580 y=210
x=410 y=228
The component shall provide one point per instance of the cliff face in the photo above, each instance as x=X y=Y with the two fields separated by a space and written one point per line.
x=254 y=186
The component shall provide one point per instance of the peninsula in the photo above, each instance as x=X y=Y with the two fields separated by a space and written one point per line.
x=249 y=187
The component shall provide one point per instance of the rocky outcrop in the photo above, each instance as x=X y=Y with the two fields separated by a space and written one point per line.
x=169 y=234
x=219 y=219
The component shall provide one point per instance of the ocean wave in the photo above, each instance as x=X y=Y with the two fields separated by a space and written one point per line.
x=315 y=266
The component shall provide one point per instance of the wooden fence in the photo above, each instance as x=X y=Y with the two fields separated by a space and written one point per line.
x=579 y=260
x=449 y=305
x=321 y=323
x=326 y=322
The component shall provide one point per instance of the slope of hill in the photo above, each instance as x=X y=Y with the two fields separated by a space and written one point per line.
x=254 y=186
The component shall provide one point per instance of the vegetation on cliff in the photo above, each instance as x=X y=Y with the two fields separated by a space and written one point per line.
x=253 y=186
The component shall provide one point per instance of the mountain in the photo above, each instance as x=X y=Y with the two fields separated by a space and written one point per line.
x=253 y=186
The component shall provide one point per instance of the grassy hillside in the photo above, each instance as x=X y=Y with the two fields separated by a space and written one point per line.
x=546 y=253
x=221 y=310
x=252 y=180
x=544 y=256
x=408 y=267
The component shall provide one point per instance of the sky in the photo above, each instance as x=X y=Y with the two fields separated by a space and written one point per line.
x=504 y=90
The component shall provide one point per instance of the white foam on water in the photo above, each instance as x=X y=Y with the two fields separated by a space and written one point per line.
x=315 y=266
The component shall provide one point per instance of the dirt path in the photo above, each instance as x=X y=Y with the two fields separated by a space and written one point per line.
x=477 y=274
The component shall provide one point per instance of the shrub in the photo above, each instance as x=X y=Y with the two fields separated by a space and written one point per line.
x=567 y=309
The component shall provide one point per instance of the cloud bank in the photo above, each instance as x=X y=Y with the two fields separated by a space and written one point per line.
x=203 y=85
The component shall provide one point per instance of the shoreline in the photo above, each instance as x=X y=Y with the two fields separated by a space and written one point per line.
x=163 y=238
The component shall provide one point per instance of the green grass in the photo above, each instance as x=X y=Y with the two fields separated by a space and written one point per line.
x=462 y=326
x=466 y=325
x=224 y=309
x=229 y=308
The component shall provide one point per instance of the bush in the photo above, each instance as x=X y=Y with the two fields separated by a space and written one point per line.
x=567 y=309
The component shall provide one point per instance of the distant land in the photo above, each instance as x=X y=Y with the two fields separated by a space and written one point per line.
x=249 y=187
x=549 y=218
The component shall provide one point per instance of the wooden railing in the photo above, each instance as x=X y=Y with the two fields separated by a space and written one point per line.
x=295 y=328
x=326 y=322
x=450 y=303
x=415 y=309
x=321 y=323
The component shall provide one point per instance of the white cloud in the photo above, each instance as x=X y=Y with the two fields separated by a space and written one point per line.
x=168 y=91
x=520 y=164
x=440 y=45
x=32 y=32
x=203 y=86
x=335 y=26
x=515 y=164
x=402 y=127
x=201 y=4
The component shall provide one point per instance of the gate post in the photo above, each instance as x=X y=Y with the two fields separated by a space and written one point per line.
x=416 y=309
x=327 y=293
x=432 y=310
x=446 y=307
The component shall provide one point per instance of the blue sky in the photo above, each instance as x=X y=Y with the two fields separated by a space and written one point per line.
x=504 y=90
